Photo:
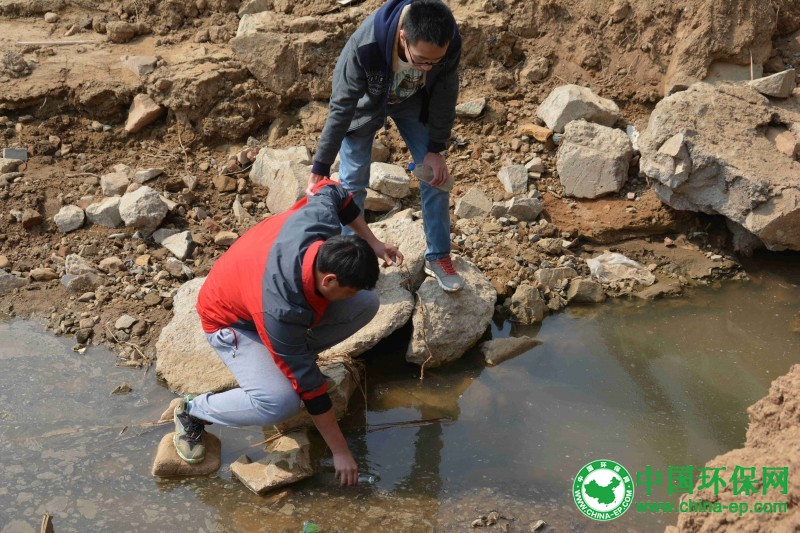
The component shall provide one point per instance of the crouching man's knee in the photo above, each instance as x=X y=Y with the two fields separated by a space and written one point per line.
x=277 y=408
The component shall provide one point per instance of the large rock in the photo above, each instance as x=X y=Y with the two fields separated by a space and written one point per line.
x=573 y=102
x=473 y=204
x=186 y=361
x=292 y=57
x=394 y=285
x=526 y=209
x=778 y=85
x=496 y=351
x=289 y=186
x=69 y=218
x=389 y=179
x=270 y=161
x=705 y=150
x=585 y=291
x=527 y=305
x=448 y=324
x=9 y=282
x=143 y=112
x=143 y=209
x=105 y=213
x=288 y=461
x=593 y=160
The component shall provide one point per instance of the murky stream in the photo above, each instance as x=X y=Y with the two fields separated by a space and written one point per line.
x=643 y=383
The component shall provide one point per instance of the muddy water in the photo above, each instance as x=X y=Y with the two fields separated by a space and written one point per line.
x=659 y=384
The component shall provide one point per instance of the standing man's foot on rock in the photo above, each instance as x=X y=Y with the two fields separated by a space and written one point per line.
x=189 y=431
x=445 y=273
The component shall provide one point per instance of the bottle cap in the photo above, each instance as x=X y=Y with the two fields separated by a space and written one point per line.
x=411 y=166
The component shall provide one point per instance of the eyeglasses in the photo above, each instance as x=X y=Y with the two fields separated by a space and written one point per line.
x=419 y=63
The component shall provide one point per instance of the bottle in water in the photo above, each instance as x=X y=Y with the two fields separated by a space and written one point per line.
x=369 y=479
x=425 y=173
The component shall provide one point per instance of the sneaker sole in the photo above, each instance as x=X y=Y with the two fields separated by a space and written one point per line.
x=445 y=289
x=190 y=461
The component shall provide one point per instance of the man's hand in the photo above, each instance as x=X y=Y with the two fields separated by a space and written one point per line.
x=346 y=469
x=389 y=253
x=313 y=179
x=439 y=168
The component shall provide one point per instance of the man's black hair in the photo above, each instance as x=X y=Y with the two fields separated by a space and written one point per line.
x=350 y=259
x=430 y=21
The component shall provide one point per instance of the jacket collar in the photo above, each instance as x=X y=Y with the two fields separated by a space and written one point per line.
x=317 y=302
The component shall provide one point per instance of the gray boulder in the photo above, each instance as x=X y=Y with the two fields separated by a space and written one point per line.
x=526 y=209
x=143 y=209
x=186 y=361
x=69 y=218
x=105 y=213
x=593 y=160
x=448 y=324
x=705 y=150
x=573 y=102
x=585 y=291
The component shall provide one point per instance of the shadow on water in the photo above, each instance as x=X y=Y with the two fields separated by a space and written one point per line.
x=643 y=383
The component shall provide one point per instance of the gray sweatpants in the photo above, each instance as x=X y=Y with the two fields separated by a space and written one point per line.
x=265 y=395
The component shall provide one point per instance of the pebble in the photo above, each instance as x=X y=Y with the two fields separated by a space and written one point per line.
x=50 y=17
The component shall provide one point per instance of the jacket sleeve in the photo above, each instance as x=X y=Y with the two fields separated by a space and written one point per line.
x=288 y=344
x=442 y=106
x=349 y=85
x=334 y=203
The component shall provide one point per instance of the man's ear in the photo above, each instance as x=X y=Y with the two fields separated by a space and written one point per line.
x=328 y=279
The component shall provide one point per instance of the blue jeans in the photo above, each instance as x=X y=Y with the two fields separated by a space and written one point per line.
x=355 y=157
x=265 y=395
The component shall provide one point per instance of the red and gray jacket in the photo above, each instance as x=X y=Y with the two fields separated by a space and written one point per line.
x=265 y=282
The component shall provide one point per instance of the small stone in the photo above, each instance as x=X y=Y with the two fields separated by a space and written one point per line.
x=190 y=182
x=473 y=204
x=498 y=350
x=471 y=109
x=69 y=218
x=778 y=85
x=143 y=209
x=179 y=244
x=225 y=238
x=631 y=196
x=31 y=218
x=105 y=213
x=50 y=17
x=224 y=183
x=114 y=184
x=4 y=261
x=388 y=179
x=139 y=329
x=152 y=299
x=785 y=141
x=167 y=463
x=143 y=112
x=162 y=233
x=514 y=178
x=378 y=202
x=147 y=174
x=142 y=260
x=111 y=265
x=124 y=322
x=122 y=388
x=585 y=291
x=43 y=274
x=86 y=296
x=204 y=166
x=535 y=165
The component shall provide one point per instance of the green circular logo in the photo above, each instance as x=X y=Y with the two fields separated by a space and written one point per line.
x=603 y=490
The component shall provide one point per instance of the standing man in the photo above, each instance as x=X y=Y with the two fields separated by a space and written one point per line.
x=401 y=63
x=289 y=288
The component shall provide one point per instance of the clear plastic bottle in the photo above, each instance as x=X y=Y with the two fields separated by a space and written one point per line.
x=425 y=173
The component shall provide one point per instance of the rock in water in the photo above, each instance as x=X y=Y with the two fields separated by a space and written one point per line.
x=498 y=350
x=288 y=461
x=167 y=463
x=450 y=323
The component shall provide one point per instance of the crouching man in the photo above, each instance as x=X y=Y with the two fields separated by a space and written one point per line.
x=289 y=288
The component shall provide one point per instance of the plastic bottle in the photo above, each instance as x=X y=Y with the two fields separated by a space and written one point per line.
x=369 y=479
x=425 y=173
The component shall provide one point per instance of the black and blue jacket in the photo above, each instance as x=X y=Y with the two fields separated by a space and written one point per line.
x=362 y=81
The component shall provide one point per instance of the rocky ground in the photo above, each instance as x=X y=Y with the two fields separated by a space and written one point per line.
x=145 y=143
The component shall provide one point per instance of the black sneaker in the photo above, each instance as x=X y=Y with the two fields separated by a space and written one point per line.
x=188 y=439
